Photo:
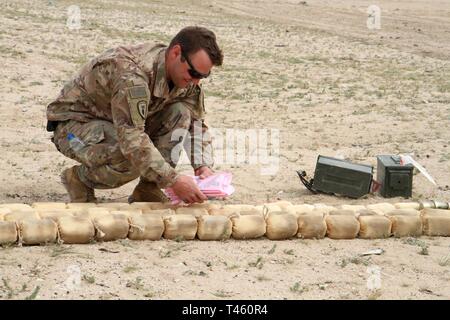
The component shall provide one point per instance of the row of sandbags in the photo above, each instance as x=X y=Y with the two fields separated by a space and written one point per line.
x=83 y=223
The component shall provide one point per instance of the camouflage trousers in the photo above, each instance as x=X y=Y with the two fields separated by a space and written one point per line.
x=103 y=166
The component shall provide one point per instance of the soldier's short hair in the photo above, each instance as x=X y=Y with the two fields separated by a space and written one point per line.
x=193 y=38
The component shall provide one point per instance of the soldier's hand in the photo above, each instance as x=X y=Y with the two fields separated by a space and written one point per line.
x=203 y=172
x=186 y=189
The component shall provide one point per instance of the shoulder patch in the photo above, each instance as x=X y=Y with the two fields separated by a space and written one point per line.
x=142 y=108
x=138 y=100
x=138 y=92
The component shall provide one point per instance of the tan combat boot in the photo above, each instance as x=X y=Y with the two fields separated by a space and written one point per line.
x=146 y=191
x=78 y=191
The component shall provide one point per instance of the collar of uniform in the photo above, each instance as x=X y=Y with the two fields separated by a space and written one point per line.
x=161 y=88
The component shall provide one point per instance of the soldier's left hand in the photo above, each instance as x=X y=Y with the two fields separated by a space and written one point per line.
x=203 y=172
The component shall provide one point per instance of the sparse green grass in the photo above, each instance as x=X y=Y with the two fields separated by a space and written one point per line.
x=263 y=54
x=34 y=294
x=171 y=250
x=222 y=294
x=444 y=87
x=135 y=284
x=7 y=287
x=179 y=239
x=4 y=50
x=233 y=267
x=89 y=279
x=298 y=288
x=59 y=250
x=417 y=242
x=445 y=261
x=272 y=250
x=374 y=295
x=262 y=278
x=294 y=60
x=259 y=263
x=355 y=260
x=129 y=269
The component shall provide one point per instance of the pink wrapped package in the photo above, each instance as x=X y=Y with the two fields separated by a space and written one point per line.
x=215 y=186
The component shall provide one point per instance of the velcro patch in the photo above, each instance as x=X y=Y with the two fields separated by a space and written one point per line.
x=138 y=92
x=138 y=99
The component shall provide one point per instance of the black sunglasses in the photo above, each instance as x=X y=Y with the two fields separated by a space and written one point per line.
x=192 y=72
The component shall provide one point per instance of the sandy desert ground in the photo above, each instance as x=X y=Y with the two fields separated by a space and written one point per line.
x=312 y=70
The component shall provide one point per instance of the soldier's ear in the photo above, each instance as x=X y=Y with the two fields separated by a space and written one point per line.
x=176 y=50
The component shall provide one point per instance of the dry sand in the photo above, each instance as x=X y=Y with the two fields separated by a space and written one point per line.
x=313 y=71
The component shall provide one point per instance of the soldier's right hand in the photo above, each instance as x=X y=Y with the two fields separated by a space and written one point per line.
x=186 y=189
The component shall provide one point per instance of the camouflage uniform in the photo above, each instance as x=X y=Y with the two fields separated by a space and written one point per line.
x=120 y=105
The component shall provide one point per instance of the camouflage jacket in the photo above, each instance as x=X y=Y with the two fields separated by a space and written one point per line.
x=126 y=86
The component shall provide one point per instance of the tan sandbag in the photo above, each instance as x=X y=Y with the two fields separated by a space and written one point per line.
x=141 y=205
x=196 y=212
x=17 y=206
x=111 y=227
x=436 y=222
x=3 y=212
x=214 y=205
x=374 y=227
x=366 y=212
x=253 y=212
x=145 y=227
x=353 y=207
x=180 y=226
x=81 y=207
x=283 y=204
x=342 y=227
x=100 y=209
x=436 y=226
x=205 y=205
x=37 y=231
x=281 y=225
x=20 y=215
x=160 y=205
x=381 y=208
x=114 y=206
x=303 y=208
x=160 y=212
x=311 y=226
x=342 y=212
x=237 y=208
x=38 y=206
x=93 y=213
x=214 y=227
x=435 y=212
x=323 y=207
x=8 y=232
x=406 y=226
x=56 y=214
x=248 y=226
x=403 y=212
x=314 y=212
x=226 y=212
x=128 y=212
x=270 y=207
x=76 y=230
x=407 y=205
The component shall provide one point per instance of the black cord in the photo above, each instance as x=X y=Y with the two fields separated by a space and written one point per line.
x=304 y=179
